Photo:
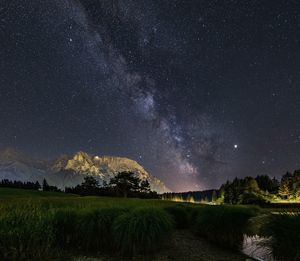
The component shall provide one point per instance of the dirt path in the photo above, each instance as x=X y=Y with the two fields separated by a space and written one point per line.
x=184 y=246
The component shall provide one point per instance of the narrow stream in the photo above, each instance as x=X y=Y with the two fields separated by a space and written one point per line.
x=256 y=248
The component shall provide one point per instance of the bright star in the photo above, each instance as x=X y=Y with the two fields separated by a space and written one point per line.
x=235 y=146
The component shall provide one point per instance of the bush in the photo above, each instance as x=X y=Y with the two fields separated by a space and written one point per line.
x=88 y=230
x=285 y=237
x=252 y=199
x=141 y=230
x=95 y=229
x=224 y=225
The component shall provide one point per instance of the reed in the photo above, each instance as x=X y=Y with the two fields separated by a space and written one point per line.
x=224 y=225
x=141 y=230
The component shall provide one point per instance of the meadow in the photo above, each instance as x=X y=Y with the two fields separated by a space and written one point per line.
x=38 y=225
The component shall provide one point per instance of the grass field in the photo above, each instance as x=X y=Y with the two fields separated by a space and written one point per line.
x=35 y=224
x=47 y=225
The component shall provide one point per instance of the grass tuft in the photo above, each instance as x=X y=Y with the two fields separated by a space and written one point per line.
x=141 y=230
x=284 y=230
x=224 y=225
x=95 y=229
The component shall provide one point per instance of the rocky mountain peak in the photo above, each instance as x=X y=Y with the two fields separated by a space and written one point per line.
x=70 y=170
x=81 y=156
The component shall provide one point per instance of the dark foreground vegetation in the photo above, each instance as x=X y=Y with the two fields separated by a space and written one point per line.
x=37 y=225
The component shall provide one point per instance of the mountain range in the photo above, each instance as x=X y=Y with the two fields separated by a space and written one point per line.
x=69 y=171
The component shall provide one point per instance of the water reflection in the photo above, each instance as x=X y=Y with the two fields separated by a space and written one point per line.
x=257 y=248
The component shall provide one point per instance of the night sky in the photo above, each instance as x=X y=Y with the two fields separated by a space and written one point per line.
x=198 y=92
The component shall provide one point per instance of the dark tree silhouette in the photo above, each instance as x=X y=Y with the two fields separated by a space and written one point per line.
x=19 y=184
x=214 y=196
x=145 y=186
x=265 y=183
x=125 y=182
x=90 y=183
x=46 y=186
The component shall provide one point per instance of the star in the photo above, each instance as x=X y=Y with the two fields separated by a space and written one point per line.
x=136 y=84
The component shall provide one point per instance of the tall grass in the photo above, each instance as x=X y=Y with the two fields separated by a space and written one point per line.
x=25 y=234
x=95 y=229
x=224 y=225
x=284 y=233
x=64 y=225
x=29 y=234
x=46 y=228
x=142 y=230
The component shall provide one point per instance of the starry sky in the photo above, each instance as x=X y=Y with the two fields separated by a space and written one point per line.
x=198 y=92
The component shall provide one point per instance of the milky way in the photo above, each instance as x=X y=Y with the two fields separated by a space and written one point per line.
x=196 y=91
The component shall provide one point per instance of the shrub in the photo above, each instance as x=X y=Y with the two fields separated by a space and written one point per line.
x=95 y=229
x=224 y=225
x=252 y=198
x=141 y=230
x=284 y=232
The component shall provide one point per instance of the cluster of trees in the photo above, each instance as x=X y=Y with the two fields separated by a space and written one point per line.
x=260 y=189
x=247 y=190
x=191 y=196
x=47 y=187
x=290 y=185
x=124 y=184
x=5 y=183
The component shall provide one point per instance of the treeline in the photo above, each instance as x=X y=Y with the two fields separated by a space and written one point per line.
x=249 y=190
x=5 y=183
x=261 y=189
x=124 y=184
x=47 y=187
x=191 y=196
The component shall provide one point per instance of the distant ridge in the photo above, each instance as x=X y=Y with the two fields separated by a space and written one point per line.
x=69 y=171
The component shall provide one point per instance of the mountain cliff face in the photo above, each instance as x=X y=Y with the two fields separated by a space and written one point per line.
x=67 y=171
